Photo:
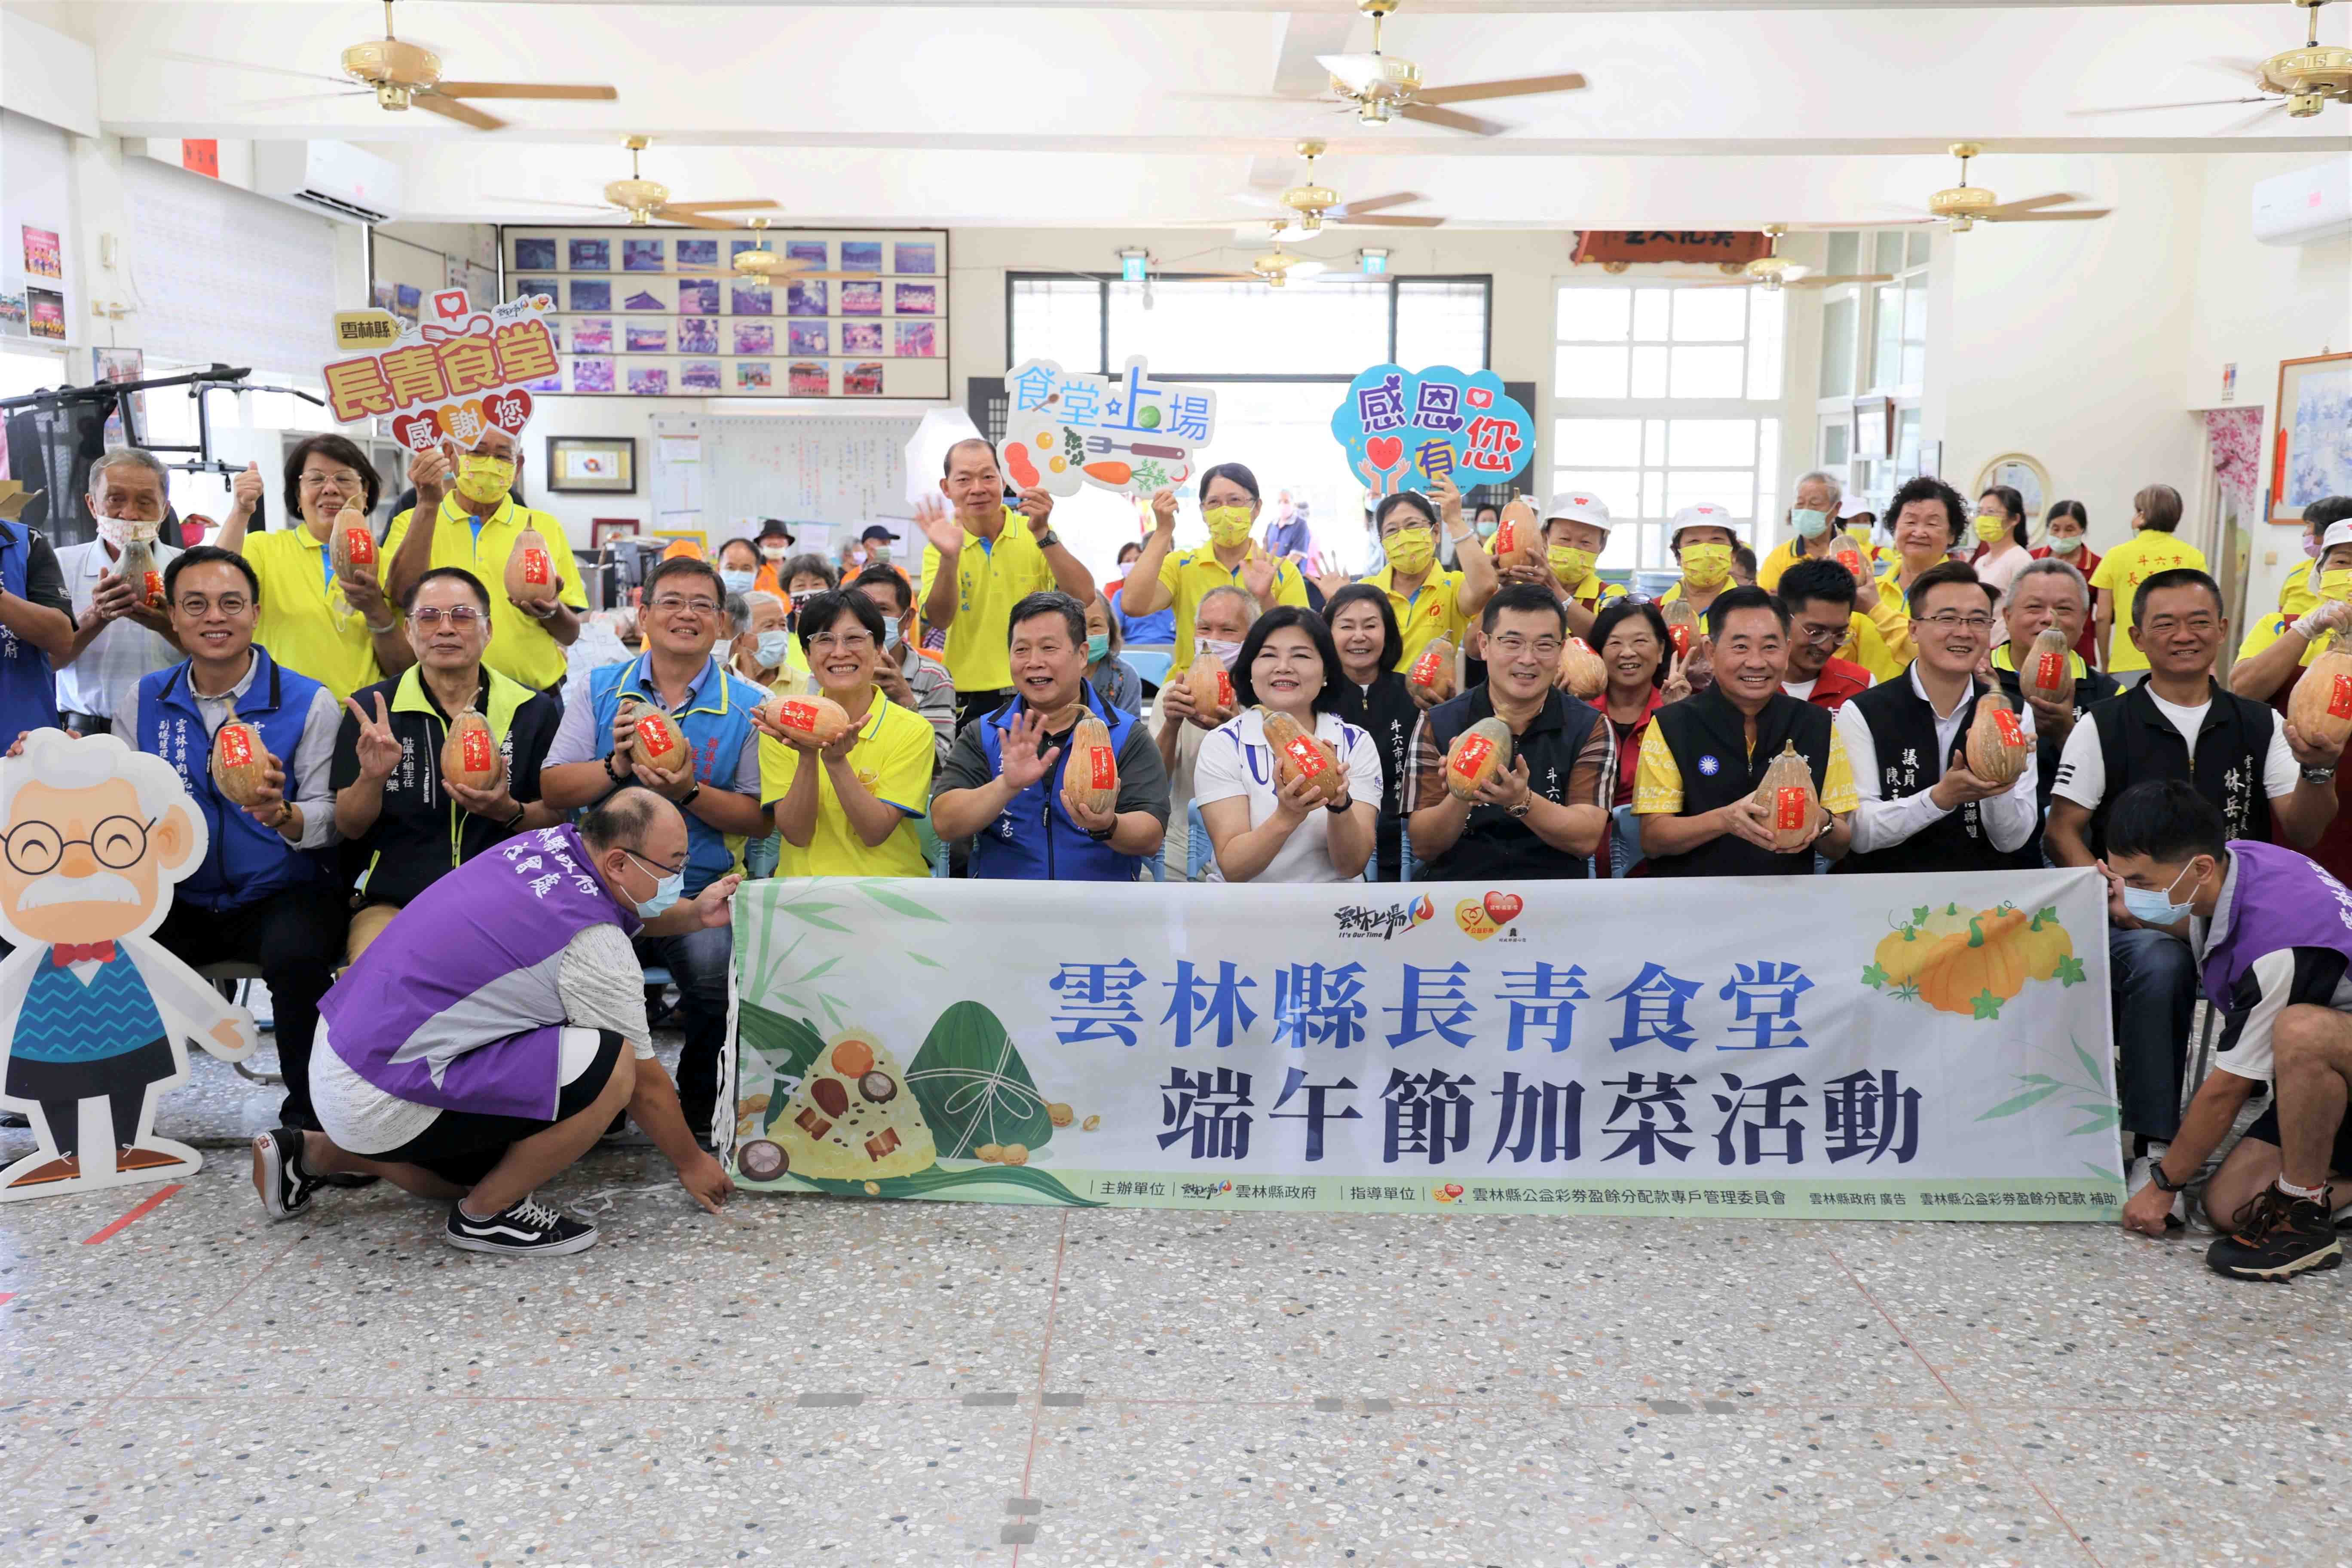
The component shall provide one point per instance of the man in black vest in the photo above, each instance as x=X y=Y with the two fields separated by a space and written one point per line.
x=1921 y=807
x=2255 y=771
x=2047 y=592
x=1694 y=782
x=1545 y=815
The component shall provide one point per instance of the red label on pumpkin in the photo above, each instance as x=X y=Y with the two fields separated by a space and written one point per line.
x=656 y=735
x=538 y=568
x=475 y=751
x=2048 y=670
x=1682 y=640
x=1102 y=768
x=2012 y=733
x=792 y=715
x=360 y=544
x=1307 y=755
x=236 y=746
x=2339 y=698
x=1224 y=690
x=154 y=589
x=1475 y=750
x=1789 y=808
x=1424 y=669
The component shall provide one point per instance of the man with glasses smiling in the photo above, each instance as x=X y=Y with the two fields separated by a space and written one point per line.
x=717 y=789
x=264 y=894
x=1919 y=806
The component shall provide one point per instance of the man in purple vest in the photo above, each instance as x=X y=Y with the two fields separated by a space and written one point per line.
x=2273 y=936
x=491 y=1034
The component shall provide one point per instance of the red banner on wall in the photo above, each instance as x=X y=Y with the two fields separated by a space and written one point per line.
x=1619 y=248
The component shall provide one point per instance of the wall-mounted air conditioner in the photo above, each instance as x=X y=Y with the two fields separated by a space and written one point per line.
x=2305 y=206
x=330 y=177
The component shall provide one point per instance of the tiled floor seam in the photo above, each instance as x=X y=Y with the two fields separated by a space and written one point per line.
x=1019 y=1535
x=2016 y=1465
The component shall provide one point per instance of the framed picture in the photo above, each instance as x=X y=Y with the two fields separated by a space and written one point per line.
x=2020 y=473
x=604 y=531
x=2311 y=458
x=597 y=464
x=1873 y=426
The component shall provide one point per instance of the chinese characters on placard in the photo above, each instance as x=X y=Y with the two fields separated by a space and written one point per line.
x=1402 y=429
x=1124 y=433
x=455 y=373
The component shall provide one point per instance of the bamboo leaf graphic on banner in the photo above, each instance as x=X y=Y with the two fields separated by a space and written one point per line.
x=808 y=912
x=790 y=1044
x=2102 y=1117
x=897 y=903
x=2032 y=1097
x=973 y=1087
x=2090 y=1067
x=991 y=1184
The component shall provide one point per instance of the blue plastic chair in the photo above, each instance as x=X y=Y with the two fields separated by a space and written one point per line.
x=1152 y=664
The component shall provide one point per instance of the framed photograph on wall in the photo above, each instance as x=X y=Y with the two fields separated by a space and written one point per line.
x=605 y=465
x=2311 y=454
x=2020 y=473
x=604 y=531
x=1873 y=426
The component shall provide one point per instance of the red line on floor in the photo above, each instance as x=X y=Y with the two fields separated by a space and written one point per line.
x=146 y=1205
x=6 y=1296
x=1044 y=1356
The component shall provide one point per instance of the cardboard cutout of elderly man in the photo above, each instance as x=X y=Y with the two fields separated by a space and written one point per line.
x=94 y=1016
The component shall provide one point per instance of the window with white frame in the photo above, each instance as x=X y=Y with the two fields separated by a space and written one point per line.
x=1874 y=345
x=1665 y=396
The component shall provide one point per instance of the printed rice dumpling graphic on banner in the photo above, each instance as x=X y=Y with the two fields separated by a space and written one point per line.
x=1124 y=433
x=1404 y=428
x=456 y=372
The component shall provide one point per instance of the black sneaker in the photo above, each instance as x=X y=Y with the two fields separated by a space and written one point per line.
x=2277 y=1238
x=279 y=1175
x=529 y=1227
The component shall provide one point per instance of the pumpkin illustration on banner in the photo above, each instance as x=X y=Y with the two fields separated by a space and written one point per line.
x=95 y=1014
x=1970 y=963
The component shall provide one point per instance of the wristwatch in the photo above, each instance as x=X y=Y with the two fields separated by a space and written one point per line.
x=1339 y=805
x=1048 y=537
x=1102 y=835
x=688 y=798
x=516 y=820
x=1527 y=805
x=2156 y=1174
x=2319 y=775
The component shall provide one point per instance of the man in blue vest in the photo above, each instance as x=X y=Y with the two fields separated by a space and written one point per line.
x=1002 y=784
x=36 y=623
x=717 y=788
x=264 y=893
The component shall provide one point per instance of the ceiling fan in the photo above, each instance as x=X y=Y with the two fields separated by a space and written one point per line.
x=1771 y=273
x=1965 y=205
x=2298 y=81
x=642 y=201
x=402 y=76
x=1313 y=205
x=1276 y=268
x=1379 y=88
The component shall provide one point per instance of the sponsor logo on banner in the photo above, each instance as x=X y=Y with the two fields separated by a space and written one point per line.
x=1361 y=919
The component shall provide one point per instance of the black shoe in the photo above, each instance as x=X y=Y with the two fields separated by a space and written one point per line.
x=348 y=1179
x=2277 y=1238
x=529 y=1227
x=285 y=1188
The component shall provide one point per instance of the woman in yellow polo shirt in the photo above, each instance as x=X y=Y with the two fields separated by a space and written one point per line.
x=342 y=635
x=1431 y=602
x=1929 y=518
x=1163 y=575
x=848 y=809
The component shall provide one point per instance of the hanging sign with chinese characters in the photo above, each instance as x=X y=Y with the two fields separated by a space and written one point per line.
x=1402 y=428
x=1920 y=1047
x=454 y=373
x=1124 y=433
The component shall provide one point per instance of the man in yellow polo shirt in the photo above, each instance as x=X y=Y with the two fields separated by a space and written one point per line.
x=977 y=567
x=2151 y=549
x=1162 y=577
x=474 y=525
x=1431 y=602
x=1575 y=532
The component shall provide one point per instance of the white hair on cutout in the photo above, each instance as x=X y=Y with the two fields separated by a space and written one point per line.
x=56 y=759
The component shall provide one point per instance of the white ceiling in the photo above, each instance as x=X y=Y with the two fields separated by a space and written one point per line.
x=1068 y=114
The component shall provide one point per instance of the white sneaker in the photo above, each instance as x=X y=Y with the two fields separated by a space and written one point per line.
x=2136 y=1176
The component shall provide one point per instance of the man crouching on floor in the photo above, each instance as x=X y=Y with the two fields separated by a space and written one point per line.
x=490 y=1035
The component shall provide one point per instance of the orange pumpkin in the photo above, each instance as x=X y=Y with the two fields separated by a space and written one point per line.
x=2044 y=943
x=1986 y=961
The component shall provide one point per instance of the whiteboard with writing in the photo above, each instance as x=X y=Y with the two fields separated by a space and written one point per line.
x=825 y=469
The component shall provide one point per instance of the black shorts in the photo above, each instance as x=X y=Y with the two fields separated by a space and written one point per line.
x=2266 y=1129
x=461 y=1146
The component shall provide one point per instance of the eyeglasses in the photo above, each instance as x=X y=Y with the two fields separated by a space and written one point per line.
x=195 y=607
x=458 y=615
x=117 y=843
x=654 y=865
x=2200 y=625
x=857 y=642
x=1820 y=635
x=1946 y=621
x=670 y=605
x=1511 y=645
x=347 y=480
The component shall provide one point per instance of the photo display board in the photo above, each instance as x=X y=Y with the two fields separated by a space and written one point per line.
x=661 y=312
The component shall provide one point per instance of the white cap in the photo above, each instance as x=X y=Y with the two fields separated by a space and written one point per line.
x=2337 y=533
x=1855 y=506
x=1576 y=506
x=1705 y=515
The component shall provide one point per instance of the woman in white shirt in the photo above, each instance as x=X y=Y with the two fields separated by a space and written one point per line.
x=2000 y=553
x=1264 y=833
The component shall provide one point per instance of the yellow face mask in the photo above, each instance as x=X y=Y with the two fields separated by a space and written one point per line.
x=1991 y=526
x=1412 y=550
x=1571 y=565
x=1227 y=524
x=482 y=478
x=1707 y=565
x=2336 y=585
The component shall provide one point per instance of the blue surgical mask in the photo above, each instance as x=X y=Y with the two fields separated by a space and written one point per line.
x=1098 y=647
x=1808 y=523
x=771 y=648
x=667 y=891
x=2154 y=905
x=1486 y=530
x=738 y=582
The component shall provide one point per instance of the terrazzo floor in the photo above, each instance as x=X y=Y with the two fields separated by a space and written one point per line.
x=815 y=1382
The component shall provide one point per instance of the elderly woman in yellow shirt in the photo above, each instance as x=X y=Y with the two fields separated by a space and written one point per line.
x=1929 y=518
x=342 y=634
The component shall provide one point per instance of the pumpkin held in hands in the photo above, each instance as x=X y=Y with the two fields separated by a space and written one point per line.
x=1581 y=671
x=2047 y=671
x=531 y=569
x=1681 y=625
x=240 y=762
x=1090 y=774
x=1997 y=743
x=2320 y=707
x=1298 y=755
x=1787 y=794
x=137 y=568
x=349 y=542
x=1431 y=675
x=470 y=755
x=1211 y=687
x=654 y=739
x=1477 y=754
x=812 y=718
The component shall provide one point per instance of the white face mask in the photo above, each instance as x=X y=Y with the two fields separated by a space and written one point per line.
x=1226 y=652
x=2065 y=543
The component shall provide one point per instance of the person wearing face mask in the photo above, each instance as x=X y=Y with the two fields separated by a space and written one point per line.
x=1702 y=543
x=490 y=1037
x=1164 y=576
x=1287 y=537
x=1157 y=629
x=2299 y=589
x=758 y=651
x=2278 y=645
x=1575 y=532
x=1430 y=602
x=2000 y=553
x=2065 y=538
x=775 y=544
x=117 y=638
x=2152 y=550
x=1813 y=533
x=342 y=634
x=404 y=824
x=2267 y=930
x=473 y=520
x=901 y=672
x=804 y=576
x=739 y=565
x=1110 y=675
